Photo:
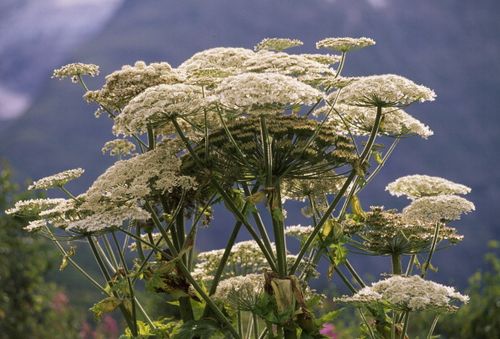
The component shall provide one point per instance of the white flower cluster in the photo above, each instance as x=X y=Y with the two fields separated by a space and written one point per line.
x=245 y=258
x=123 y=85
x=56 y=180
x=298 y=231
x=212 y=65
x=242 y=286
x=277 y=44
x=300 y=66
x=120 y=147
x=32 y=207
x=44 y=211
x=360 y=121
x=76 y=70
x=136 y=178
x=438 y=208
x=408 y=294
x=325 y=59
x=418 y=186
x=434 y=199
x=386 y=90
x=156 y=105
x=387 y=232
x=345 y=44
x=259 y=93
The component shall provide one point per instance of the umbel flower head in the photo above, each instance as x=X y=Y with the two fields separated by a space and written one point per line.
x=277 y=44
x=407 y=294
x=246 y=258
x=211 y=66
x=57 y=180
x=387 y=232
x=345 y=44
x=257 y=93
x=118 y=147
x=386 y=90
x=123 y=85
x=304 y=67
x=438 y=208
x=418 y=186
x=323 y=155
x=76 y=70
x=240 y=292
x=264 y=93
x=360 y=120
x=157 y=105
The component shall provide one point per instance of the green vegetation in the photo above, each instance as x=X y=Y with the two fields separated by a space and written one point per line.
x=29 y=306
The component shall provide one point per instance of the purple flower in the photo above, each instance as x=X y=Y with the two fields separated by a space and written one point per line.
x=328 y=330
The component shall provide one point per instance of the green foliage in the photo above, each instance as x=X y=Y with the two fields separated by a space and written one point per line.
x=29 y=306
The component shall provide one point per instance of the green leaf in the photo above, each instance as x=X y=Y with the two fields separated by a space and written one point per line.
x=64 y=262
x=356 y=206
x=256 y=197
x=106 y=305
x=278 y=214
x=378 y=157
x=204 y=328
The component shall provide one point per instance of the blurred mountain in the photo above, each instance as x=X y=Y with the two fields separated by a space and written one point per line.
x=35 y=36
x=450 y=46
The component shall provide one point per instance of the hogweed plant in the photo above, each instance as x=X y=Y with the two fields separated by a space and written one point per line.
x=250 y=130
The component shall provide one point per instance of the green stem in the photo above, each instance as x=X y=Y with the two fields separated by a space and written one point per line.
x=217 y=312
x=144 y=313
x=405 y=324
x=240 y=324
x=363 y=157
x=151 y=138
x=110 y=251
x=239 y=216
x=396 y=263
x=433 y=326
x=367 y=324
x=129 y=282
x=138 y=243
x=255 y=326
x=107 y=277
x=341 y=65
x=320 y=224
x=345 y=280
x=258 y=219
x=409 y=268
x=225 y=257
x=354 y=273
x=427 y=263
x=72 y=262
